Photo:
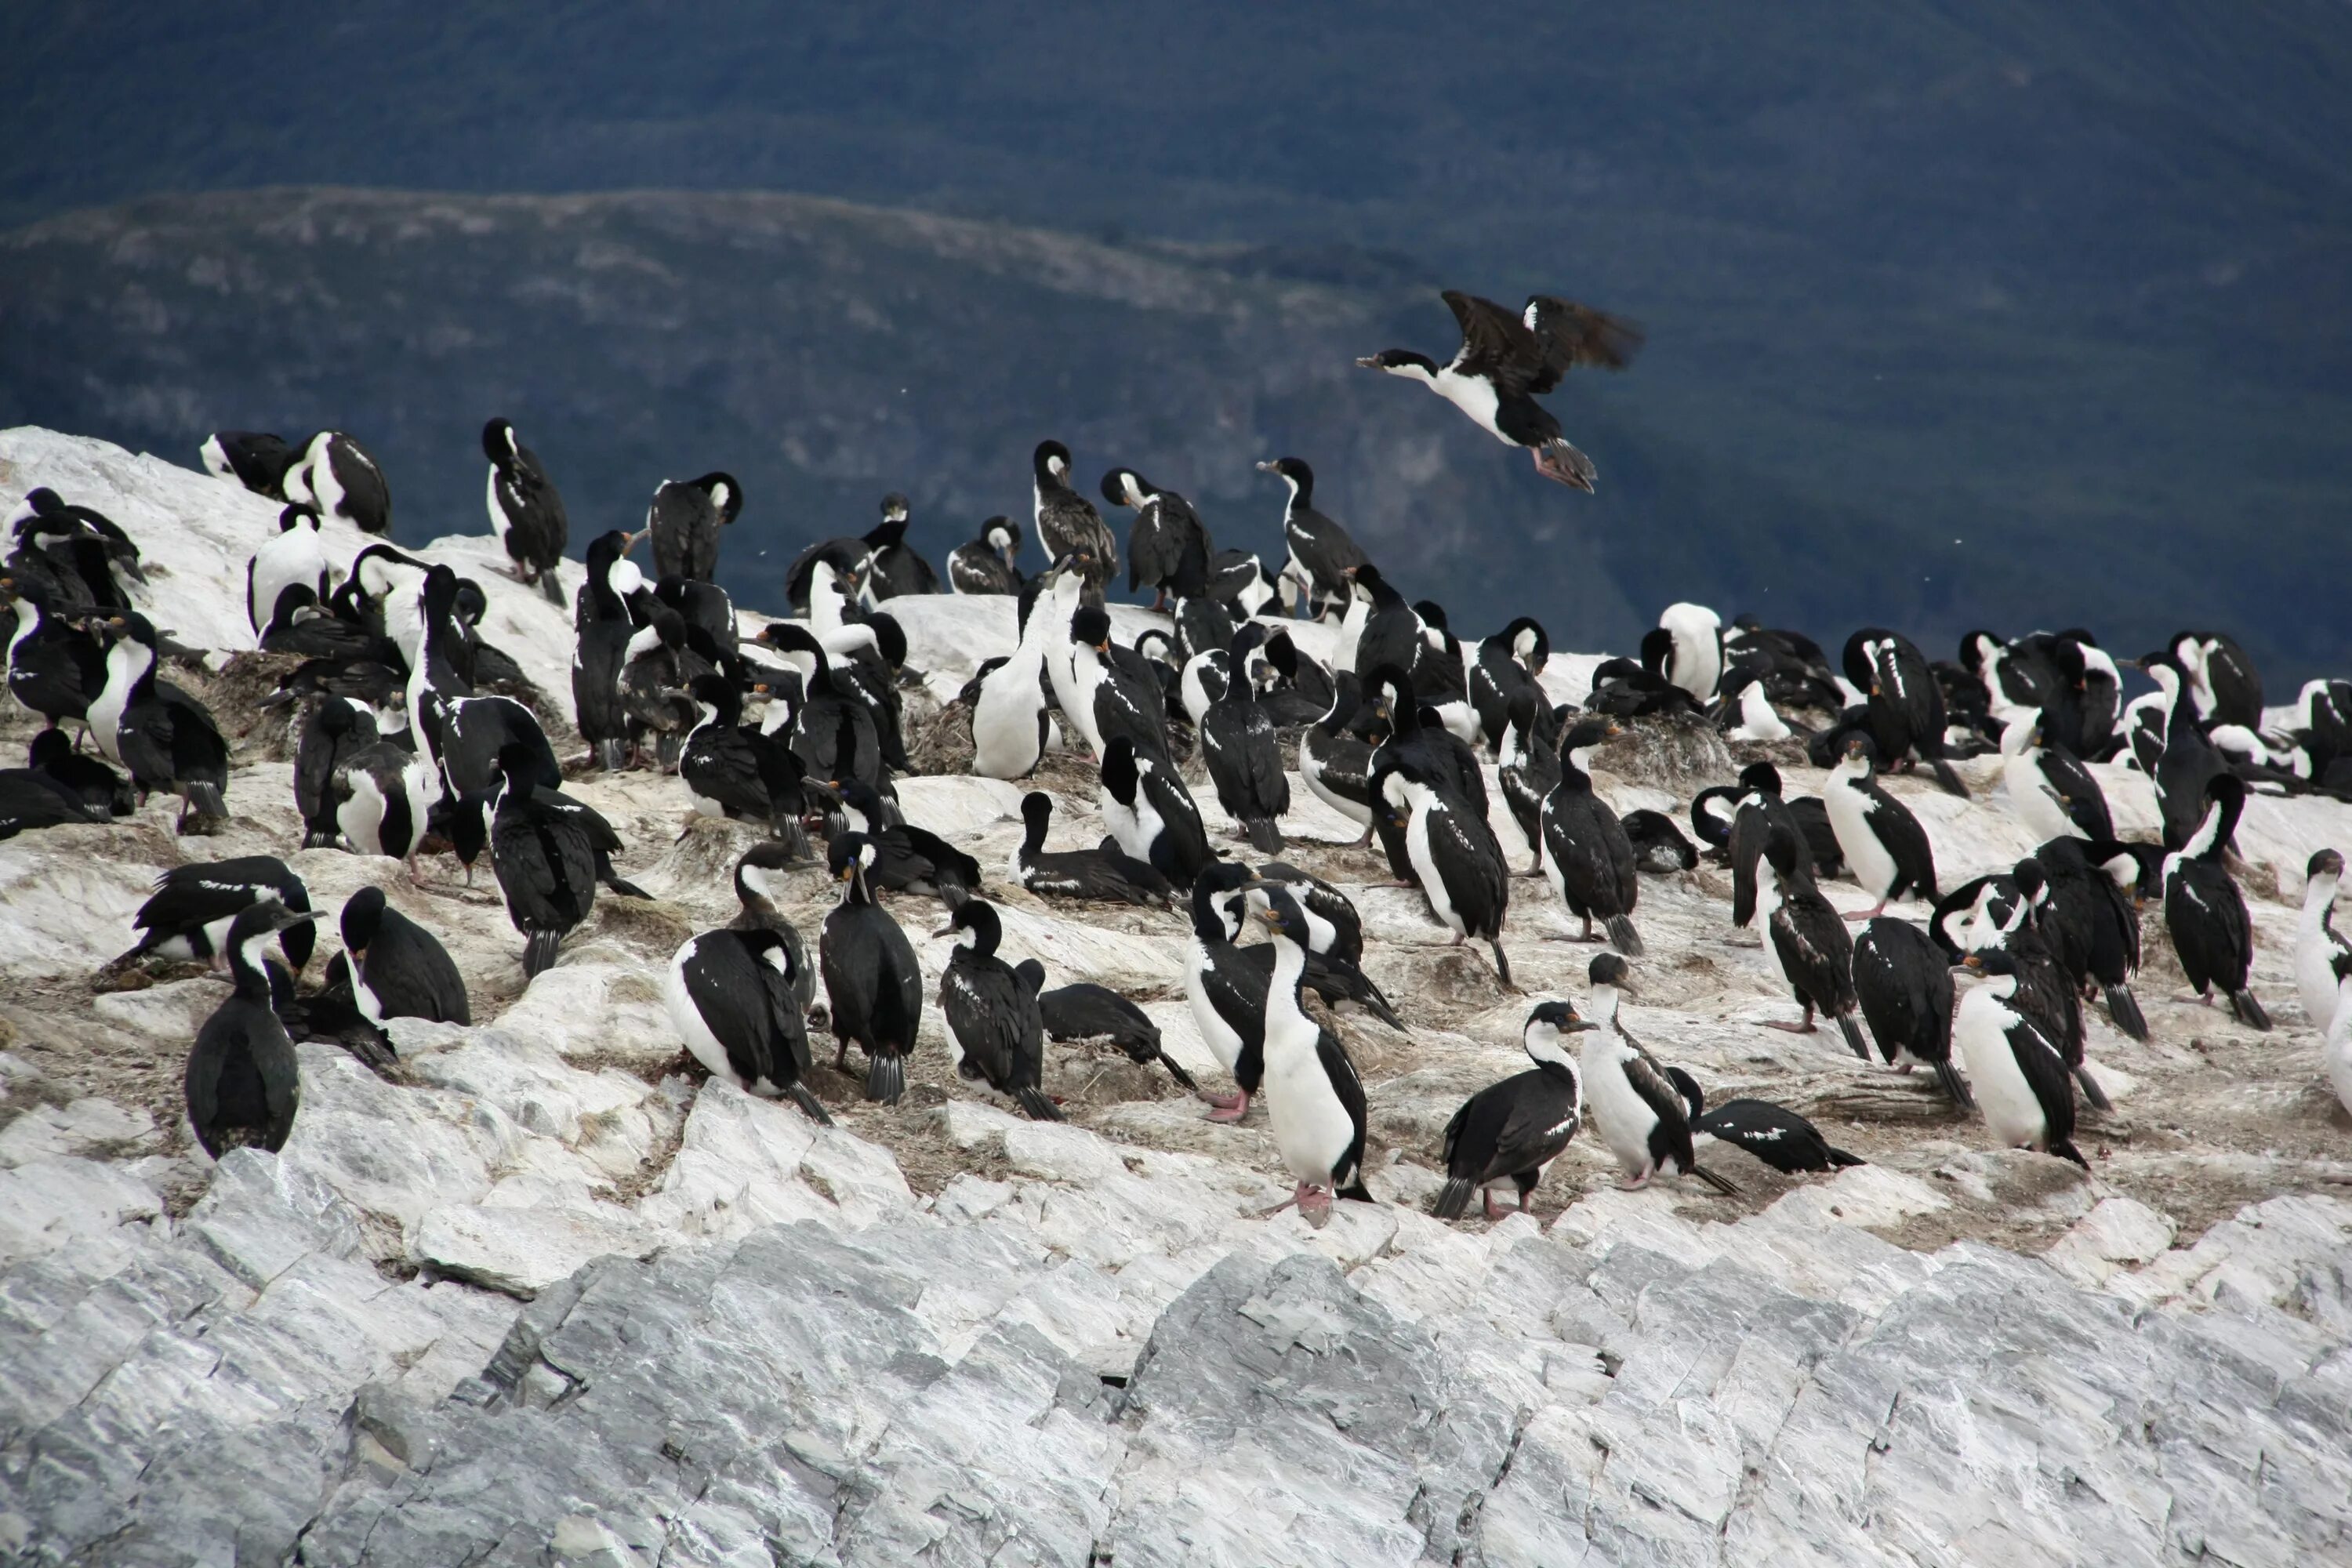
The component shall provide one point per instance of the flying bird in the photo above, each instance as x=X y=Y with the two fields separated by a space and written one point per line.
x=1507 y=362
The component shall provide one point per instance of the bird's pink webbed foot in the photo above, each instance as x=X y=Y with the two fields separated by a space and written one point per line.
x=1229 y=1107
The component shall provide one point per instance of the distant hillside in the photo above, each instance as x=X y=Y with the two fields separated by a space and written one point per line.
x=826 y=352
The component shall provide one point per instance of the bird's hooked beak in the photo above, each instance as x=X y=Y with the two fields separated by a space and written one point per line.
x=1579 y=1026
x=1266 y=466
x=1366 y=362
x=629 y=542
x=947 y=929
x=131 y=569
x=1971 y=964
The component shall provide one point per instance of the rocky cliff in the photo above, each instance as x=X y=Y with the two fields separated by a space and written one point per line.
x=542 y=1295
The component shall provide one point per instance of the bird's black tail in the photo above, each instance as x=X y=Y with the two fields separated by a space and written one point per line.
x=1038 y=1106
x=1948 y=778
x=1502 y=964
x=2249 y=1011
x=789 y=832
x=1955 y=1085
x=1376 y=1003
x=1176 y=1071
x=1728 y=1189
x=2123 y=1008
x=203 y=798
x=1852 y=1030
x=1454 y=1202
x=1840 y=1157
x=373 y=1050
x=1623 y=937
x=1264 y=835
x=811 y=1106
x=2065 y=1150
x=539 y=952
x=552 y=587
x=886 y=1078
x=2090 y=1090
x=1356 y=1192
x=620 y=884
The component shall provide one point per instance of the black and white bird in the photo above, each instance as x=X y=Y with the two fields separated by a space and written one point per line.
x=759 y=889
x=1165 y=529
x=2206 y=913
x=1747 y=711
x=544 y=854
x=1505 y=668
x=336 y=475
x=1527 y=770
x=1245 y=758
x=1773 y=1133
x=872 y=983
x=2182 y=762
x=1463 y=876
x=382 y=797
x=2050 y=790
x=1905 y=703
x=1314 y=1101
x=1506 y=361
x=1146 y=808
x=1506 y=1134
x=165 y=738
x=188 y=916
x=1067 y=523
x=526 y=509
x=1085 y=1012
x=100 y=790
x=986 y=564
x=2319 y=948
x=258 y=459
x=399 y=970
x=243 y=1084
x=336 y=730
x=1104 y=875
x=2019 y=1076
x=2221 y=678
x=294 y=554
x=732 y=996
x=56 y=665
x=739 y=773
x=1694 y=637
x=1659 y=847
x=1010 y=728
x=2093 y=906
x=1107 y=696
x=992 y=1015
x=1635 y=1103
x=1903 y=984
x=1334 y=762
x=1881 y=841
x=891 y=568
x=685 y=517
x=1315 y=574
x=1225 y=992
x=1805 y=940
x=907 y=858
x=300 y=626
x=1584 y=846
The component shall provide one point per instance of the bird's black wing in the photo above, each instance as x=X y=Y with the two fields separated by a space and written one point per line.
x=983 y=1006
x=1341 y=1070
x=2048 y=1075
x=1496 y=345
x=1569 y=335
x=1671 y=1136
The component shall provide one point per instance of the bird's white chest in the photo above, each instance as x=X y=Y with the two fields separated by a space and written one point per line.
x=500 y=522
x=1005 y=719
x=2030 y=796
x=1421 y=849
x=2002 y=1093
x=1850 y=811
x=126 y=661
x=1474 y=396
x=1222 y=1040
x=2315 y=970
x=1623 y=1117
x=1310 y=1127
